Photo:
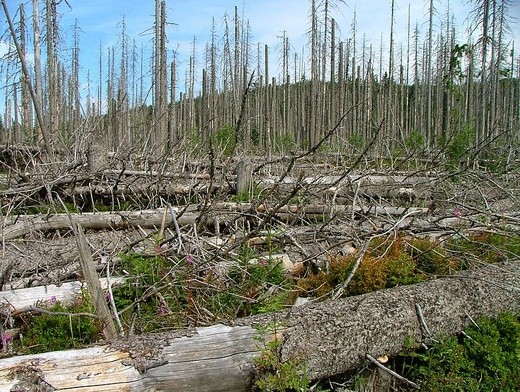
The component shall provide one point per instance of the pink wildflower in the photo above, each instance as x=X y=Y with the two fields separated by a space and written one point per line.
x=6 y=339
x=457 y=212
x=189 y=259
x=162 y=310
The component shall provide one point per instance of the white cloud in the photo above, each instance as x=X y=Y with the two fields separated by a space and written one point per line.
x=4 y=48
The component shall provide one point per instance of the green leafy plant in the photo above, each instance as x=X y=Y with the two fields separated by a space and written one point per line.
x=154 y=294
x=273 y=374
x=357 y=141
x=485 y=247
x=54 y=332
x=225 y=140
x=459 y=145
x=249 y=195
x=194 y=141
x=284 y=142
x=486 y=361
x=415 y=141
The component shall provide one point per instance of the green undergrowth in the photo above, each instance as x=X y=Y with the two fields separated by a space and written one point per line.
x=165 y=290
x=271 y=373
x=60 y=329
x=485 y=358
x=482 y=358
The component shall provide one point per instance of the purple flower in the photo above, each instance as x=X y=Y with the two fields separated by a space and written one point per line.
x=162 y=310
x=53 y=300
x=457 y=212
x=262 y=262
x=189 y=259
x=6 y=339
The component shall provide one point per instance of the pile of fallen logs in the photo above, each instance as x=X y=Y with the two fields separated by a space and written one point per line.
x=313 y=217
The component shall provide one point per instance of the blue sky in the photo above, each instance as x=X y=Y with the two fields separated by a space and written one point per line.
x=99 y=21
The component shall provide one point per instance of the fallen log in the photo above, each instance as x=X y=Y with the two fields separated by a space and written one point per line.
x=155 y=174
x=329 y=338
x=67 y=293
x=23 y=225
x=100 y=220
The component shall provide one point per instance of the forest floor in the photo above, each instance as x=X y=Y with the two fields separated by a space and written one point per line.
x=309 y=221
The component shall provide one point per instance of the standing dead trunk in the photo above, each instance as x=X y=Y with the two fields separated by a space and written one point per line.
x=36 y=101
x=94 y=286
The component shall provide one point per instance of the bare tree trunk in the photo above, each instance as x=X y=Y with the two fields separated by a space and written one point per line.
x=26 y=120
x=36 y=102
x=428 y=71
x=38 y=83
x=160 y=79
x=52 y=68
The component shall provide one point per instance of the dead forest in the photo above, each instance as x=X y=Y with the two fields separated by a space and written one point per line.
x=254 y=211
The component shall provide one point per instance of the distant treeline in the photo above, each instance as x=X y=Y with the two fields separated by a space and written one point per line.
x=427 y=94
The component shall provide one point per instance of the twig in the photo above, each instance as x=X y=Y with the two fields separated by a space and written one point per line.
x=112 y=301
x=341 y=289
x=424 y=327
x=173 y=213
x=472 y=321
x=242 y=109
x=467 y=336
x=37 y=309
x=390 y=371
x=354 y=201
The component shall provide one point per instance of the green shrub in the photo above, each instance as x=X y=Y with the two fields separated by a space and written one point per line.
x=460 y=144
x=415 y=141
x=225 y=140
x=50 y=332
x=487 y=361
x=431 y=258
x=273 y=374
x=284 y=142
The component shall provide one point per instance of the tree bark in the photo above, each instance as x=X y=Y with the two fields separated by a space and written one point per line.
x=329 y=337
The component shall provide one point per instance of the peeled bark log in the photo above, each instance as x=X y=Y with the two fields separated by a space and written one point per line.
x=329 y=337
x=21 y=300
x=217 y=358
x=154 y=218
x=100 y=220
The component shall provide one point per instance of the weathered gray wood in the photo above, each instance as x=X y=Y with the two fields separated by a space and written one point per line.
x=155 y=174
x=244 y=176
x=333 y=337
x=217 y=358
x=67 y=293
x=329 y=337
x=154 y=218
x=98 y=220
x=94 y=286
